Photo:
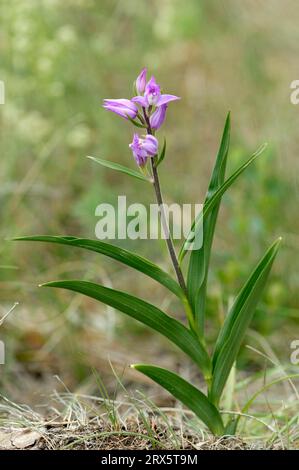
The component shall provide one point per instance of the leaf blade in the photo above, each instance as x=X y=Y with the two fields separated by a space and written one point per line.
x=162 y=154
x=218 y=173
x=147 y=314
x=189 y=395
x=199 y=259
x=236 y=323
x=119 y=254
x=211 y=203
x=118 y=167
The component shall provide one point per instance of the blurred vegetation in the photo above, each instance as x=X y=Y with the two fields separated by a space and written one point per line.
x=58 y=61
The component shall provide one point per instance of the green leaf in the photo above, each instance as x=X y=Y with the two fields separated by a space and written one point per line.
x=213 y=201
x=162 y=154
x=147 y=314
x=189 y=395
x=218 y=173
x=136 y=123
x=120 y=254
x=118 y=167
x=237 y=321
x=199 y=259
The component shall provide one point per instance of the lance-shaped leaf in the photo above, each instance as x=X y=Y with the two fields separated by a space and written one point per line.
x=237 y=321
x=199 y=259
x=118 y=167
x=189 y=395
x=120 y=254
x=136 y=123
x=213 y=201
x=162 y=154
x=147 y=314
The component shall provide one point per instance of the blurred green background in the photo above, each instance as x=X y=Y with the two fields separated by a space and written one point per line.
x=58 y=61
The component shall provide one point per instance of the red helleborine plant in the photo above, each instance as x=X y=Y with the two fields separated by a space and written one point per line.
x=147 y=111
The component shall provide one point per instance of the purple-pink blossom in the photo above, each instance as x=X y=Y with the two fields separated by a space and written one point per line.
x=149 y=97
x=141 y=82
x=158 y=117
x=143 y=148
x=152 y=94
x=122 y=107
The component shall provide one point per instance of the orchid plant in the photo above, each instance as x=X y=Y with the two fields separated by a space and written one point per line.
x=147 y=111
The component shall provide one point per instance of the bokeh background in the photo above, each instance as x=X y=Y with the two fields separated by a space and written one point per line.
x=58 y=61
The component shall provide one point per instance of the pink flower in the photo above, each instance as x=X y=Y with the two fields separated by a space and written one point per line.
x=158 y=117
x=141 y=82
x=149 y=97
x=122 y=107
x=143 y=148
x=152 y=93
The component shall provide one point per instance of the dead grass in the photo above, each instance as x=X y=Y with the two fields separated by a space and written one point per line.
x=100 y=436
x=88 y=423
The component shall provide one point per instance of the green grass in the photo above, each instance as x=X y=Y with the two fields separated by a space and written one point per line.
x=82 y=421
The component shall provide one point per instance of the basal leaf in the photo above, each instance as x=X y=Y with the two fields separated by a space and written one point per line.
x=189 y=395
x=236 y=323
x=120 y=254
x=218 y=173
x=147 y=314
x=213 y=201
x=199 y=259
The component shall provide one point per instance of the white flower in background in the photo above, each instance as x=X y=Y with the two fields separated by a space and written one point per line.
x=33 y=126
x=45 y=64
x=79 y=136
x=67 y=34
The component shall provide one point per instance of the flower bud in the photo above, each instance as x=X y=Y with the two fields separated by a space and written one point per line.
x=158 y=117
x=122 y=107
x=141 y=82
x=143 y=148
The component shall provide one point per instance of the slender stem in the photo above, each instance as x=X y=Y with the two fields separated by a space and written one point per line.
x=169 y=241
x=167 y=235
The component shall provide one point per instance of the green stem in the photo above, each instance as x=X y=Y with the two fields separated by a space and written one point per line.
x=169 y=241
x=167 y=234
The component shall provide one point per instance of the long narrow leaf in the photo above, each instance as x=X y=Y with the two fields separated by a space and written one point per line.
x=189 y=395
x=199 y=259
x=118 y=167
x=162 y=154
x=147 y=314
x=218 y=173
x=120 y=254
x=236 y=323
x=136 y=123
x=213 y=201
